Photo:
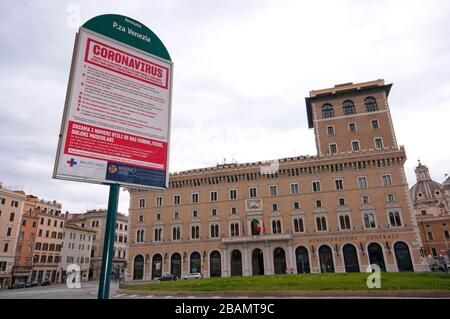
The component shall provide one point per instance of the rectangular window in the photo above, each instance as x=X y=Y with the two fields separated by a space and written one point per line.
x=176 y=199
x=5 y=248
x=333 y=148
x=318 y=203
x=390 y=198
x=21 y=234
x=253 y=192
x=378 y=143
x=394 y=219
x=430 y=235
x=386 y=179
x=274 y=207
x=14 y=203
x=362 y=182
x=351 y=127
x=344 y=222
x=339 y=183
x=49 y=221
x=316 y=186
x=158 y=216
x=446 y=234
x=159 y=201
x=176 y=233
x=8 y=232
x=434 y=251
x=298 y=225
x=321 y=224
x=233 y=211
x=330 y=130
x=294 y=188
x=355 y=146
x=213 y=212
x=365 y=200
x=213 y=196
x=369 y=220
x=176 y=215
x=194 y=214
x=233 y=194
x=141 y=202
x=2 y=200
x=11 y=217
x=296 y=205
x=273 y=190
x=195 y=197
x=374 y=124
x=341 y=201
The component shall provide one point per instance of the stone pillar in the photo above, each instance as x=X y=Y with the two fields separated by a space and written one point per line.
x=290 y=259
x=225 y=263
x=268 y=260
x=245 y=270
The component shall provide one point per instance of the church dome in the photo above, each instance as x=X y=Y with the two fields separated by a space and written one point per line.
x=425 y=189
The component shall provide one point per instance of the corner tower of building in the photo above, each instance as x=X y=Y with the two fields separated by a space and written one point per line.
x=351 y=118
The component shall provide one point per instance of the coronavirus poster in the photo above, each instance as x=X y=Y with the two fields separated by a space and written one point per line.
x=116 y=123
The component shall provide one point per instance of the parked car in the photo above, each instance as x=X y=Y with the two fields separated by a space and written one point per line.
x=17 y=285
x=33 y=283
x=167 y=277
x=194 y=275
x=45 y=282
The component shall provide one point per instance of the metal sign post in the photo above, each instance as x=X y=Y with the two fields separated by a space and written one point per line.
x=108 y=245
x=116 y=122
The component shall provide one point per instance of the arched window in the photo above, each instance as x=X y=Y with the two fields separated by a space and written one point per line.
x=156 y=266
x=348 y=107
x=232 y=230
x=327 y=110
x=215 y=264
x=196 y=261
x=370 y=104
x=403 y=257
x=301 y=256
x=326 y=259
x=138 y=267
x=236 y=263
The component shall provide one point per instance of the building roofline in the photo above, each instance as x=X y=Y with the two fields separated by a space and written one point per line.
x=341 y=91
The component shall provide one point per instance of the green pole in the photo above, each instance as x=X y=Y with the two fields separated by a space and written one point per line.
x=108 y=245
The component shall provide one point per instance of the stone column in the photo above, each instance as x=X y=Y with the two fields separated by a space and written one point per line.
x=268 y=260
x=245 y=270
x=225 y=263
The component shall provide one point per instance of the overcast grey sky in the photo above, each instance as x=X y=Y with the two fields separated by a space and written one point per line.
x=241 y=72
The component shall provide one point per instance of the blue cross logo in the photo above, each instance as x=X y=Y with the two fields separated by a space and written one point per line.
x=72 y=162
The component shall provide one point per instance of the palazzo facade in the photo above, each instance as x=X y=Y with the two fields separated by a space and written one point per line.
x=338 y=211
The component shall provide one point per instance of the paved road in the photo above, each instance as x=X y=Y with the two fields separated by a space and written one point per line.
x=88 y=290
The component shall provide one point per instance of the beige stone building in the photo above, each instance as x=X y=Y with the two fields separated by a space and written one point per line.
x=339 y=211
x=48 y=242
x=96 y=220
x=76 y=249
x=432 y=205
x=11 y=208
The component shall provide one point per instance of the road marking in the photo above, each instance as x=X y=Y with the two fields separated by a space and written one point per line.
x=149 y=296
x=119 y=295
x=133 y=296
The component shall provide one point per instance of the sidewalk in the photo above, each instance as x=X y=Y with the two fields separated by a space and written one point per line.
x=302 y=294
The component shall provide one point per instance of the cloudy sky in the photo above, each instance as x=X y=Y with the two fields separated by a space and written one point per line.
x=242 y=70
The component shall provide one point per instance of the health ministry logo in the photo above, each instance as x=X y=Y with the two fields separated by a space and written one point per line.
x=72 y=162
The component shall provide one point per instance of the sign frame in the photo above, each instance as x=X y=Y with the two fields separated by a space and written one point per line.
x=63 y=133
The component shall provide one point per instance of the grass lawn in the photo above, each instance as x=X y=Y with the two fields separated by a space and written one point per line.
x=308 y=282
